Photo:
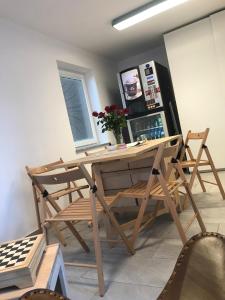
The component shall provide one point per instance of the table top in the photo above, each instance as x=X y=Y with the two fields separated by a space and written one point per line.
x=106 y=155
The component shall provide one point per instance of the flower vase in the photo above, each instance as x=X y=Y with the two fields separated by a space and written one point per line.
x=118 y=136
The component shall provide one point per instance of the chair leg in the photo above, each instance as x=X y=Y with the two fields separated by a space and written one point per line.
x=201 y=182
x=172 y=208
x=70 y=198
x=198 y=216
x=215 y=172
x=59 y=234
x=78 y=236
x=191 y=183
x=111 y=233
x=97 y=246
x=37 y=208
x=176 y=219
x=151 y=221
x=107 y=210
x=190 y=196
x=139 y=220
x=45 y=232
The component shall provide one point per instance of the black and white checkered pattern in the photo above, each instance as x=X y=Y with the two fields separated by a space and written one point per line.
x=15 y=253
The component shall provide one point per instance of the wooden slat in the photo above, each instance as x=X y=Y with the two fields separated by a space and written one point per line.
x=94 y=266
x=210 y=182
x=65 y=191
x=44 y=168
x=196 y=135
x=192 y=163
x=69 y=219
x=59 y=178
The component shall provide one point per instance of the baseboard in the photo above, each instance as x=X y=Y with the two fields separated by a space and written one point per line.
x=38 y=231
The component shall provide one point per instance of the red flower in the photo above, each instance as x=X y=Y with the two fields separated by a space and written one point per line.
x=120 y=112
x=94 y=114
x=101 y=114
x=107 y=109
x=126 y=111
x=113 y=107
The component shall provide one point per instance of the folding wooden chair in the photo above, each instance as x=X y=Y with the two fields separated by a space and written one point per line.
x=71 y=188
x=161 y=188
x=81 y=209
x=197 y=162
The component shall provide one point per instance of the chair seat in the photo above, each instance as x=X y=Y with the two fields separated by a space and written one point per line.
x=199 y=273
x=139 y=189
x=79 y=210
x=192 y=163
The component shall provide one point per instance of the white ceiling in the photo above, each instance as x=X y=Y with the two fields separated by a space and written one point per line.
x=87 y=23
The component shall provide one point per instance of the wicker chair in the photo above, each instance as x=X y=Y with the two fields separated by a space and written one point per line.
x=42 y=294
x=199 y=273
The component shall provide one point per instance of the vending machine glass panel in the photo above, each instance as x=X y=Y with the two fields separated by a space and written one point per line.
x=150 y=127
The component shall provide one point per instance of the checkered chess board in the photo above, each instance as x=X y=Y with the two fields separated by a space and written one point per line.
x=14 y=254
x=19 y=261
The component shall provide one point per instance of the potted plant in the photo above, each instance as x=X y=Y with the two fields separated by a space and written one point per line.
x=112 y=119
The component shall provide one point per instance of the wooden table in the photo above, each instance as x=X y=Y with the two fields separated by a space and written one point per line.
x=119 y=169
x=51 y=275
x=120 y=154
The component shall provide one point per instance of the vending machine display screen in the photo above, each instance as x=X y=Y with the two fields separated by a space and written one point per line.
x=131 y=84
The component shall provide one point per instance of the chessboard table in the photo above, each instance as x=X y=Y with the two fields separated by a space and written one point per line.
x=51 y=275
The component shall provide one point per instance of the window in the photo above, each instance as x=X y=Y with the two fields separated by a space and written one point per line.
x=78 y=108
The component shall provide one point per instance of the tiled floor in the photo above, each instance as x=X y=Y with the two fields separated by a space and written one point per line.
x=143 y=275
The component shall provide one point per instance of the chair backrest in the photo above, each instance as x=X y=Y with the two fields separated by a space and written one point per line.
x=196 y=136
x=59 y=178
x=44 y=168
x=172 y=151
x=36 y=192
x=163 y=156
x=169 y=153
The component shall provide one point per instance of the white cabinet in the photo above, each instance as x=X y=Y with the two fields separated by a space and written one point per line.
x=196 y=59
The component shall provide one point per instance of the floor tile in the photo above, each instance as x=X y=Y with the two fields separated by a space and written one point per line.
x=168 y=248
x=121 y=291
x=137 y=270
x=143 y=275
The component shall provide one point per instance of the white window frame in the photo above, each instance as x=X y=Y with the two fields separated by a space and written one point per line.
x=74 y=75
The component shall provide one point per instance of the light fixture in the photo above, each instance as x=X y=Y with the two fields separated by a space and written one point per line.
x=144 y=12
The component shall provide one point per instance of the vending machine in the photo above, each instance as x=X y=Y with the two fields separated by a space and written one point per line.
x=147 y=93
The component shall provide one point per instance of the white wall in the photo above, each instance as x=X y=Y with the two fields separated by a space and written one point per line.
x=33 y=119
x=218 y=29
x=157 y=53
x=196 y=76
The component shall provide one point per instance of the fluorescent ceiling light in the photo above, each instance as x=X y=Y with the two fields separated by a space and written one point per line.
x=144 y=12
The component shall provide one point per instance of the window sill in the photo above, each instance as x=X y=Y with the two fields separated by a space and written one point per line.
x=89 y=147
